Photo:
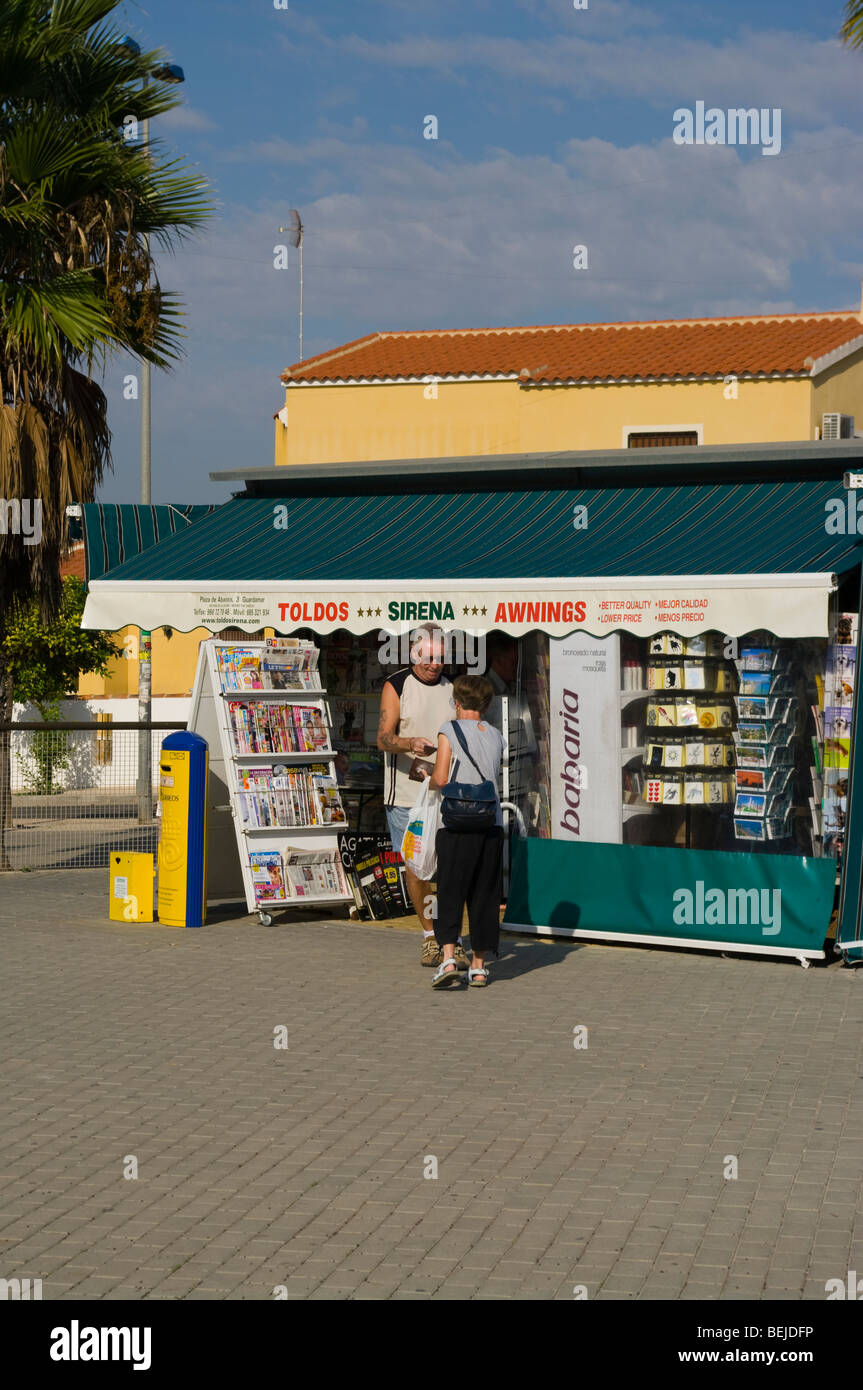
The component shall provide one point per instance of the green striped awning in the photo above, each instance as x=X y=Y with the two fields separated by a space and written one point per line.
x=116 y=532
x=758 y=528
x=364 y=553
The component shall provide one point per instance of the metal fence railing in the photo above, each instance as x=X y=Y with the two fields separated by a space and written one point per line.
x=70 y=792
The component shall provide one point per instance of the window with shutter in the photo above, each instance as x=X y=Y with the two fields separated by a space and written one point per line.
x=660 y=439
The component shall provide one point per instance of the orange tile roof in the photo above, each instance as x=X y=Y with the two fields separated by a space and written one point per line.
x=747 y=346
x=74 y=563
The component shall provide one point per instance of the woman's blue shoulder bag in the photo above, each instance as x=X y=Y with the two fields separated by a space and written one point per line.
x=467 y=806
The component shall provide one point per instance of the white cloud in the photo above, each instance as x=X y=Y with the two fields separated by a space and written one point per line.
x=808 y=78
x=406 y=242
x=184 y=118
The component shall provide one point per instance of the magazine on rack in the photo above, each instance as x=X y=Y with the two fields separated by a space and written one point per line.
x=394 y=873
x=239 y=668
x=289 y=664
x=370 y=875
x=284 y=795
x=312 y=732
x=314 y=873
x=277 y=675
x=268 y=876
x=262 y=727
x=376 y=874
x=330 y=810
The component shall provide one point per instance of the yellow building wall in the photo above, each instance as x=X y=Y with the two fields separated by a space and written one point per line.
x=331 y=424
x=116 y=683
x=839 y=388
x=174 y=662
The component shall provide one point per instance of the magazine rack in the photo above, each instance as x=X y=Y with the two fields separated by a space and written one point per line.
x=232 y=837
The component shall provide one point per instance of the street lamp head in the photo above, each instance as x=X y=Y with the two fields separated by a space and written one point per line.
x=169 y=72
x=132 y=44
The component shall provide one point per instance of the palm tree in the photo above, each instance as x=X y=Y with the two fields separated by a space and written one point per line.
x=852 y=28
x=79 y=204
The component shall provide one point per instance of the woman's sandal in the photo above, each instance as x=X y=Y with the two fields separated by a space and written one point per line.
x=478 y=977
x=443 y=977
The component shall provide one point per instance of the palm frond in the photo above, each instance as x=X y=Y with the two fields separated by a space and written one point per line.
x=851 y=32
x=38 y=317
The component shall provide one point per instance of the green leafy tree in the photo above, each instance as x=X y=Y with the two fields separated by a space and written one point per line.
x=44 y=665
x=79 y=205
x=46 y=662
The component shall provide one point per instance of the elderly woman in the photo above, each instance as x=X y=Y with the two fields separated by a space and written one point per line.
x=469 y=859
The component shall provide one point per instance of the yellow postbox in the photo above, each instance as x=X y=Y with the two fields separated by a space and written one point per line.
x=182 y=898
x=130 y=887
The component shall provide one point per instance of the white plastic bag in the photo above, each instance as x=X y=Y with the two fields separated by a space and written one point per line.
x=418 y=843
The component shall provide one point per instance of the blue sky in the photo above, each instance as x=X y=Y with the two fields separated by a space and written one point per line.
x=554 y=129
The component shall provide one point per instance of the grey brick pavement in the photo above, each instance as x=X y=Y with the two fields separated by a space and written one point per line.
x=557 y=1167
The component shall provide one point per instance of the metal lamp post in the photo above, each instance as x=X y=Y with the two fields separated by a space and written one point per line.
x=165 y=72
x=295 y=239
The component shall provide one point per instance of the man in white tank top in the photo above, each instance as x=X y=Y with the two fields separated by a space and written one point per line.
x=414 y=703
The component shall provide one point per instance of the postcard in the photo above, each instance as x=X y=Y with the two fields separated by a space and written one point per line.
x=751 y=757
x=755 y=682
x=751 y=707
x=750 y=779
x=837 y=721
x=749 y=829
x=752 y=733
x=756 y=659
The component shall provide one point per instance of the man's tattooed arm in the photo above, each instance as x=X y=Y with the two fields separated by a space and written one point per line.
x=388 y=739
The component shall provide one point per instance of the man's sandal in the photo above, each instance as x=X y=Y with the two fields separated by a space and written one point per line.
x=478 y=977
x=444 y=977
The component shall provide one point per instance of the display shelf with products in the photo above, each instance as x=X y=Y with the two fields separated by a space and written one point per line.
x=720 y=722
x=292 y=791
x=689 y=719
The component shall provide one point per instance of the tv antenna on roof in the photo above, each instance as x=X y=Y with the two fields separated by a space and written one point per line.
x=294 y=231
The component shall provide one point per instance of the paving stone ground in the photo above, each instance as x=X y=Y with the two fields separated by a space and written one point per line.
x=304 y=1167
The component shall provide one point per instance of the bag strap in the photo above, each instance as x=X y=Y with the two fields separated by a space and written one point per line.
x=463 y=741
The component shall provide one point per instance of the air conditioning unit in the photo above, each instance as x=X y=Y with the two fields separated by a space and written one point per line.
x=836 y=426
